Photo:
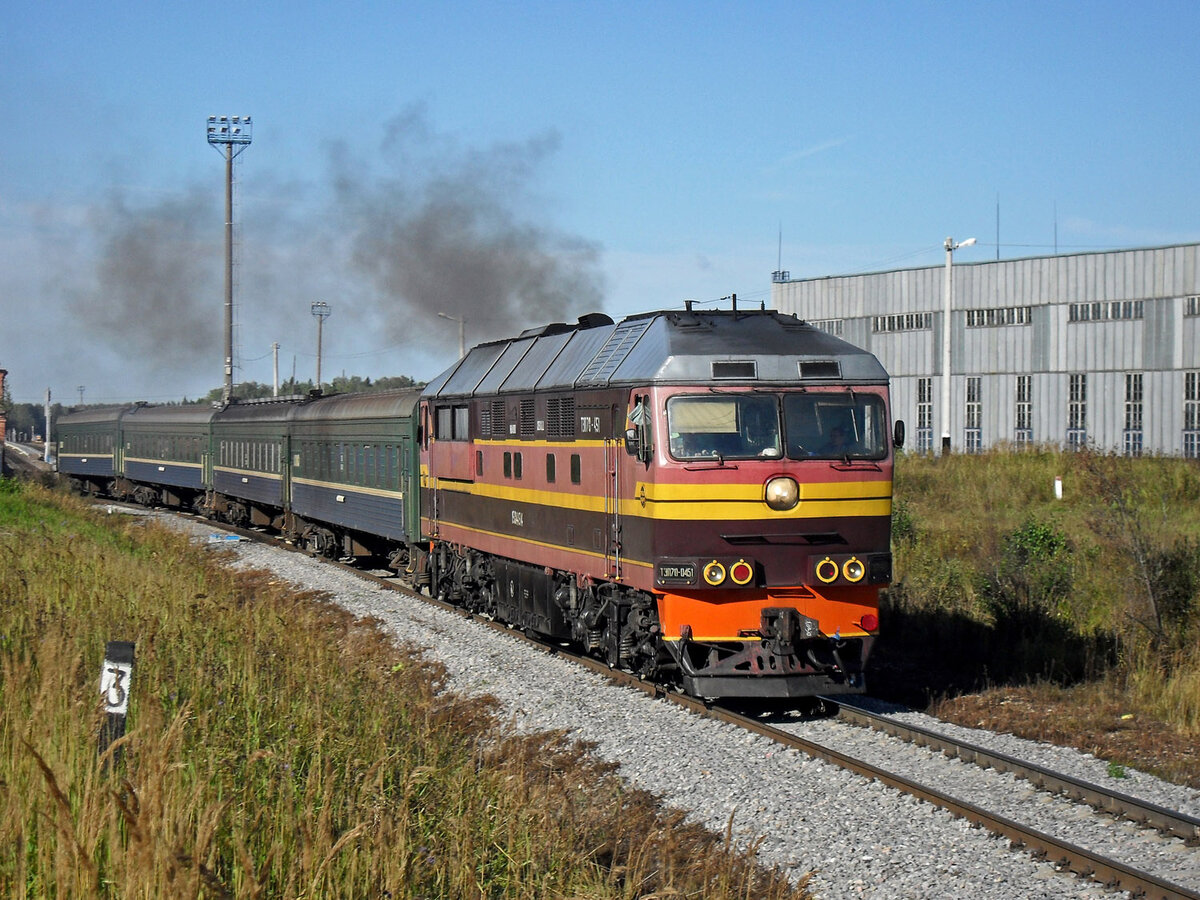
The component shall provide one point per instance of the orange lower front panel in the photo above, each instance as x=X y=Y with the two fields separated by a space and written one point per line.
x=735 y=615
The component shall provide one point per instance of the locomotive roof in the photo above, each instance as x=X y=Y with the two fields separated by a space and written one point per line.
x=668 y=346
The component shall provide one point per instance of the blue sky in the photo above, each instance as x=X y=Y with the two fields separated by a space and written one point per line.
x=514 y=163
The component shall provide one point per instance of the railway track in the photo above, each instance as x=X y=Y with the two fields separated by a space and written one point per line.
x=1112 y=873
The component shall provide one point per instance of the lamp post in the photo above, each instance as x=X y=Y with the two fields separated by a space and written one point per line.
x=950 y=248
x=233 y=133
x=322 y=311
x=462 y=333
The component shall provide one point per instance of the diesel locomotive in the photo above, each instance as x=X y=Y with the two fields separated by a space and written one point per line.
x=701 y=497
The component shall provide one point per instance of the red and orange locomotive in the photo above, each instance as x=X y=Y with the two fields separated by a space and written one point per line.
x=698 y=496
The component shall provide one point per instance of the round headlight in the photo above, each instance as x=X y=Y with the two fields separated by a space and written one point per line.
x=853 y=569
x=782 y=493
x=714 y=573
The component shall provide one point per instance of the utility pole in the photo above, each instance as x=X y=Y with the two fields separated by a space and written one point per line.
x=46 y=445
x=229 y=132
x=322 y=311
x=275 y=358
x=949 y=291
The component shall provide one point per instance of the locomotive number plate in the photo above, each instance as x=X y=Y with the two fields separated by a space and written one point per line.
x=676 y=571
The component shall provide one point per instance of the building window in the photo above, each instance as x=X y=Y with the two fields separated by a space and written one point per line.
x=1191 y=306
x=1133 y=414
x=1077 y=412
x=902 y=322
x=1100 y=311
x=1191 y=415
x=973 y=437
x=1006 y=315
x=1023 y=433
x=924 y=415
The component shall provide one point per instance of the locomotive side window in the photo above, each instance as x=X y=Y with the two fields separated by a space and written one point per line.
x=835 y=426
x=727 y=426
x=451 y=423
x=576 y=469
x=550 y=468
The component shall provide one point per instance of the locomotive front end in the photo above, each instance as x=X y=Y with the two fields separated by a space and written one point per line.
x=765 y=496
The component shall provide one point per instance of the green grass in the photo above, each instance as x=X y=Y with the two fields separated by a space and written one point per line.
x=279 y=748
x=999 y=581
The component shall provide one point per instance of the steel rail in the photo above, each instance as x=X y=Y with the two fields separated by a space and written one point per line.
x=1143 y=812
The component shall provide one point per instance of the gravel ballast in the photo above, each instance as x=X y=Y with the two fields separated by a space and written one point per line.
x=862 y=838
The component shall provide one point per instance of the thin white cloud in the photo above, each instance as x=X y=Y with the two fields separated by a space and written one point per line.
x=796 y=156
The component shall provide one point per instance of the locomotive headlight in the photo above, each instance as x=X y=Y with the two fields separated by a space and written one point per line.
x=714 y=573
x=853 y=569
x=827 y=570
x=782 y=493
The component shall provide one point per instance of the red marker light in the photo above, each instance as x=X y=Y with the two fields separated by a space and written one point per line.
x=869 y=622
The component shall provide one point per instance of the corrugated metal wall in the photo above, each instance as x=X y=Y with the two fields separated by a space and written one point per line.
x=1161 y=344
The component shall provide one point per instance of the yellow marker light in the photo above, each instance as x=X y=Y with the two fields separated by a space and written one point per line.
x=853 y=569
x=782 y=493
x=827 y=570
x=714 y=573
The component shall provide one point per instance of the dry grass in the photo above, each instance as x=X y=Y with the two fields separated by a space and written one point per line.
x=280 y=748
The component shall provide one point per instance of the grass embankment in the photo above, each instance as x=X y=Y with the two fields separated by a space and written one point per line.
x=1086 y=607
x=278 y=748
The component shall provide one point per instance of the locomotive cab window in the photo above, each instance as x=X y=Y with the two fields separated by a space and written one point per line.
x=725 y=426
x=835 y=426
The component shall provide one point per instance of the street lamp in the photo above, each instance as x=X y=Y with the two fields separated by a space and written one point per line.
x=462 y=335
x=322 y=311
x=950 y=248
x=234 y=134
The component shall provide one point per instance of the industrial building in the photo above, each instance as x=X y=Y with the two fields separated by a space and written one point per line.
x=1086 y=349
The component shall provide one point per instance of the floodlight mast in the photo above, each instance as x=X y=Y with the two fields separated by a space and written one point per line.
x=234 y=134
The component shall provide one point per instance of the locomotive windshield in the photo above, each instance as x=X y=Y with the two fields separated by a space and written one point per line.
x=729 y=426
x=744 y=426
x=835 y=426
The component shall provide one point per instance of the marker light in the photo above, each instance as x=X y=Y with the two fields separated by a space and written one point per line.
x=782 y=493
x=714 y=573
x=741 y=572
x=869 y=622
x=827 y=570
x=853 y=569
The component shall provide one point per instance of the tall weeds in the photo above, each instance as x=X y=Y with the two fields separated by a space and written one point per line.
x=1103 y=582
x=279 y=748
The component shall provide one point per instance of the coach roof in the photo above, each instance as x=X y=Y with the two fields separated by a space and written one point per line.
x=674 y=346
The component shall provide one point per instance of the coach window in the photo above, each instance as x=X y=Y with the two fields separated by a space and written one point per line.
x=576 y=469
x=550 y=468
x=371 y=480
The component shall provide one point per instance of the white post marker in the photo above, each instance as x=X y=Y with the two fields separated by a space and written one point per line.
x=1057 y=487
x=116 y=681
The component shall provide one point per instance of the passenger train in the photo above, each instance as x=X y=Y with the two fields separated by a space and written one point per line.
x=701 y=497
